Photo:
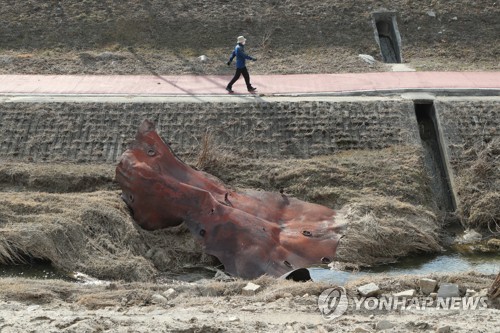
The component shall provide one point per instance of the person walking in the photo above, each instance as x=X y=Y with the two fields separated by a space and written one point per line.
x=241 y=57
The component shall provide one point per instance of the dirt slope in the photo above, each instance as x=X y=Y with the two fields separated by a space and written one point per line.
x=290 y=36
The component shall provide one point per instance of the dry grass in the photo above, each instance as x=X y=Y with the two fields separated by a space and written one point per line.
x=334 y=180
x=388 y=212
x=210 y=155
x=384 y=195
x=89 y=232
x=478 y=186
x=84 y=226
x=56 y=178
x=380 y=230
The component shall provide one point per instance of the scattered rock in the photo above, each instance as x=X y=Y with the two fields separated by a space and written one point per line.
x=203 y=58
x=159 y=299
x=431 y=13
x=471 y=236
x=384 y=325
x=221 y=276
x=210 y=291
x=433 y=295
x=421 y=325
x=427 y=286
x=482 y=293
x=250 y=289
x=470 y=293
x=367 y=58
x=447 y=290
x=444 y=329
x=370 y=289
x=372 y=316
x=362 y=330
x=233 y=319
x=170 y=293
x=248 y=309
x=406 y=293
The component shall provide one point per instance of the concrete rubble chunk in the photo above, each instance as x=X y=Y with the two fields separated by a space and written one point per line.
x=384 y=325
x=444 y=329
x=427 y=286
x=367 y=58
x=370 y=289
x=170 y=293
x=447 y=290
x=159 y=299
x=482 y=293
x=250 y=289
x=470 y=293
x=406 y=293
x=471 y=236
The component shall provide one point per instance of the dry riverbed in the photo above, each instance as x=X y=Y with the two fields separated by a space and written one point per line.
x=223 y=306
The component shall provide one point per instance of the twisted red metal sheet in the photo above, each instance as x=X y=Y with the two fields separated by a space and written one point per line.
x=252 y=233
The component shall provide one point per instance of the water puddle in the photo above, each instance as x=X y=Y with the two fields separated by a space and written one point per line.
x=38 y=270
x=486 y=263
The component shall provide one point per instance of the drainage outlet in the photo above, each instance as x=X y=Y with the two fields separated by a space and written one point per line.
x=387 y=35
x=434 y=156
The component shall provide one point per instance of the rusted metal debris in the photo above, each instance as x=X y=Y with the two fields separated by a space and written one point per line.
x=252 y=233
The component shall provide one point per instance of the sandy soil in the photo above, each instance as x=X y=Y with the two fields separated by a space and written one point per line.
x=212 y=306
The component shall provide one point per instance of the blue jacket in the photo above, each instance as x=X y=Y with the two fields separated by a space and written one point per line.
x=241 y=56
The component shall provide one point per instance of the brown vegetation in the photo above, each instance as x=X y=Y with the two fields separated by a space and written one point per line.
x=478 y=184
x=166 y=37
x=73 y=216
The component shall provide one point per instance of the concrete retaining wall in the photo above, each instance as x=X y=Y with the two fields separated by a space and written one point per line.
x=465 y=124
x=100 y=132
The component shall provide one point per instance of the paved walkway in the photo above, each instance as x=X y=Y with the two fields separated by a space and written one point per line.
x=191 y=85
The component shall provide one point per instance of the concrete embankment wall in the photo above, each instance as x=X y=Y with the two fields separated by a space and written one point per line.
x=100 y=132
x=94 y=132
x=467 y=123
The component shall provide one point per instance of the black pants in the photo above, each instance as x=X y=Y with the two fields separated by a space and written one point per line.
x=246 y=76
